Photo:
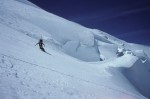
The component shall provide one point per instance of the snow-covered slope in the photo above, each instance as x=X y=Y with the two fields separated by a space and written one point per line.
x=83 y=64
x=81 y=40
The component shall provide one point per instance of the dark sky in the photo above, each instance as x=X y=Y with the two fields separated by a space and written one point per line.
x=125 y=19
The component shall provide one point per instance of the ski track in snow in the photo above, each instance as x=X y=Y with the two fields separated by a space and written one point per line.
x=68 y=75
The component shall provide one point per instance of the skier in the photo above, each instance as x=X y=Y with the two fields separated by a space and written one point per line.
x=41 y=45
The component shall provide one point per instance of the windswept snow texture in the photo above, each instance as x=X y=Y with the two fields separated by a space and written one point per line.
x=83 y=64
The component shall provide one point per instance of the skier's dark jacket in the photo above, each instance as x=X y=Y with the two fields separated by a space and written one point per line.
x=41 y=45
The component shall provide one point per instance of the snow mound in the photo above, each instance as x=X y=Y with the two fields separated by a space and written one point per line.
x=139 y=76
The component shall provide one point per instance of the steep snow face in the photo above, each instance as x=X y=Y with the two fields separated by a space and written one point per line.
x=81 y=39
x=28 y=73
x=142 y=71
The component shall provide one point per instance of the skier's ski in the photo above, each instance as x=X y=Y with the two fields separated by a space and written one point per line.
x=48 y=53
